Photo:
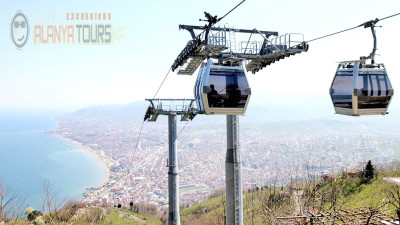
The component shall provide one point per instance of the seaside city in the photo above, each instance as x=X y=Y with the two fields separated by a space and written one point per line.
x=268 y=157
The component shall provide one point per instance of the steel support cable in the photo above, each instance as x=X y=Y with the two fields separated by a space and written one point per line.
x=247 y=43
x=166 y=75
x=141 y=127
x=266 y=39
x=221 y=17
x=361 y=25
x=390 y=16
x=333 y=33
x=231 y=10
x=137 y=142
x=182 y=128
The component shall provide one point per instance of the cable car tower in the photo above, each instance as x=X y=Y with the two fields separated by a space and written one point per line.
x=221 y=88
x=171 y=108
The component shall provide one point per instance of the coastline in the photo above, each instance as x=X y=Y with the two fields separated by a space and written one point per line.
x=88 y=151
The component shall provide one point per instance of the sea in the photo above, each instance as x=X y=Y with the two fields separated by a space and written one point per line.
x=31 y=159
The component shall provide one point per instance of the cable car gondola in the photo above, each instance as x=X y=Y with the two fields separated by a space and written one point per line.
x=361 y=89
x=222 y=89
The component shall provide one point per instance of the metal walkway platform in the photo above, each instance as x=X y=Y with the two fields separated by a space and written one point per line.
x=194 y=63
x=184 y=107
x=277 y=49
x=221 y=45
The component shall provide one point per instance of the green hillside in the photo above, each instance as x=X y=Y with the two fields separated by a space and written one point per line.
x=262 y=205
x=88 y=215
x=339 y=192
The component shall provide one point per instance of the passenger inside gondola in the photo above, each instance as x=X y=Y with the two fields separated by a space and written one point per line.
x=233 y=96
x=213 y=96
x=222 y=89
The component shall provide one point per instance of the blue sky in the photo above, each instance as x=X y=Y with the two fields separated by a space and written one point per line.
x=75 y=76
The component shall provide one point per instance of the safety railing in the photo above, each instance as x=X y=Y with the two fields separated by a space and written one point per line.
x=286 y=41
x=249 y=47
x=218 y=38
x=172 y=105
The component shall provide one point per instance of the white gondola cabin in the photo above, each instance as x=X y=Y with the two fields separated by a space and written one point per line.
x=361 y=89
x=222 y=89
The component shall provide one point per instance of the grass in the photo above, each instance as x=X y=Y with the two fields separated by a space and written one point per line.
x=372 y=195
x=195 y=209
x=115 y=218
x=124 y=216
x=191 y=188
x=355 y=195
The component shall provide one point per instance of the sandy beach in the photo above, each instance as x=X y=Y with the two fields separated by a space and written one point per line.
x=90 y=152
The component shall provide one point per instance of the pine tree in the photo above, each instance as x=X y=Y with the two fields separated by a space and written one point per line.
x=369 y=170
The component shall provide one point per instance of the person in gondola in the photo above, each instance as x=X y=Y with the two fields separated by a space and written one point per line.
x=234 y=96
x=213 y=96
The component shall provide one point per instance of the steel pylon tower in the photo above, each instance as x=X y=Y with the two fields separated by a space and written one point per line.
x=233 y=173
x=173 y=180
x=184 y=109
